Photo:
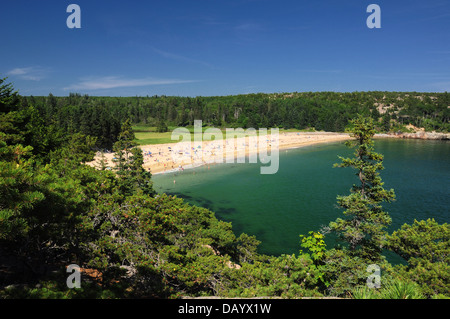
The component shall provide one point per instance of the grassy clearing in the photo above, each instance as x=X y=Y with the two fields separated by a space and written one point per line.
x=147 y=135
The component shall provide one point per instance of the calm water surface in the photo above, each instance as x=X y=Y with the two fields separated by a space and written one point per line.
x=302 y=196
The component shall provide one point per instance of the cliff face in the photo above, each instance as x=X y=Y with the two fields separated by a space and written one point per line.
x=418 y=135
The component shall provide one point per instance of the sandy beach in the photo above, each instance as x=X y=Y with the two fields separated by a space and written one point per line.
x=162 y=158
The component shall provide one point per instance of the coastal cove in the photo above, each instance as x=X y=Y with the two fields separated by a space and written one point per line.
x=301 y=197
x=212 y=153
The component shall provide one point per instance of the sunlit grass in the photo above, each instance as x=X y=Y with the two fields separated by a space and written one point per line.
x=147 y=135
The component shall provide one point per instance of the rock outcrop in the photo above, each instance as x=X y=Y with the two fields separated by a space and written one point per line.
x=418 y=135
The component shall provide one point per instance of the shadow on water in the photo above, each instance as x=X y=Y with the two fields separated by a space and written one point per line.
x=179 y=195
x=226 y=213
x=223 y=212
x=199 y=201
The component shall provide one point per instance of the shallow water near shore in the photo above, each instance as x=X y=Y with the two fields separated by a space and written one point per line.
x=301 y=196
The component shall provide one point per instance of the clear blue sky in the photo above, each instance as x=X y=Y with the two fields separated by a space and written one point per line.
x=223 y=47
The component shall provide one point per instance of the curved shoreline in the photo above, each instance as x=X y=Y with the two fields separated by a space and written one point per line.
x=159 y=158
x=286 y=141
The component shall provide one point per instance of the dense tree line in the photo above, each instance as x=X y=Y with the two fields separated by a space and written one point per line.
x=101 y=117
x=132 y=243
x=79 y=114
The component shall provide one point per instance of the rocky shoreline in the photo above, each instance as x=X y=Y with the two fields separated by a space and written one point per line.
x=417 y=135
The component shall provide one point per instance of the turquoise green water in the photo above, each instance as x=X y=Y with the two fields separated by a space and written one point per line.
x=302 y=196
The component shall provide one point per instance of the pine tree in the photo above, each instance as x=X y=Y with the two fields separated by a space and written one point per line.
x=140 y=178
x=364 y=226
x=387 y=122
x=162 y=127
x=129 y=160
x=9 y=99
x=18 y=191
x=122 y=148
x=102 y=162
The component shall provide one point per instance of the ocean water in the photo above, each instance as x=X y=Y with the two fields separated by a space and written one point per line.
x=301 y=197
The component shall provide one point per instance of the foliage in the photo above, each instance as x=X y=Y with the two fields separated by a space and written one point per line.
x=402 y=289
x=128 y=163
x=395 y=289
x=363 y=229
x=343 y=271
x=19 y=191
x=8 y=97
x=315 y=243
x=422 y=240
x=286 y=276
x=122 y=148
x=426 y=247
x=162 y=127
x=162 y=241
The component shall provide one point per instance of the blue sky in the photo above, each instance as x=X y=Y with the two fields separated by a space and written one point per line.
x=212 y=47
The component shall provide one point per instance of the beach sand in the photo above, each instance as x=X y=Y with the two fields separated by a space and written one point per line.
x=162 y=158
